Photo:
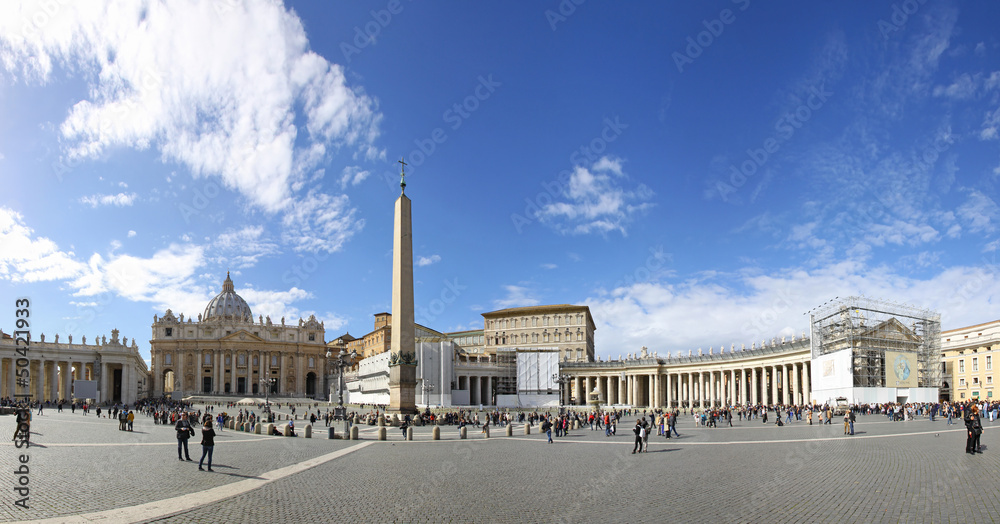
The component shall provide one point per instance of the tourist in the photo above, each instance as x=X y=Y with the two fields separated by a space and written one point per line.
x=184 y=432
x=207 y=444
x=638 y=437
x=547 y=429
x=130 y=419
x=850 y=420
x=974 y=428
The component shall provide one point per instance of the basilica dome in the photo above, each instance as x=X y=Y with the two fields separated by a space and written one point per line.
x=227 y=305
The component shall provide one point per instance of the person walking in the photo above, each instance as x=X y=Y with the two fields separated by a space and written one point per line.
x=547 y=429
x=207 y=444
x=974 y=428
x=184 y=432
x=638 y=430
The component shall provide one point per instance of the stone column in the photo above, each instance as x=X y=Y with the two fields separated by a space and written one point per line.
x=796 y=396
x=744 y=390
x=806 y=388
x=281 y=374
x=601 y=391
x=753 y=385
x=576 y=389
x=774 y=385
x=667 y=396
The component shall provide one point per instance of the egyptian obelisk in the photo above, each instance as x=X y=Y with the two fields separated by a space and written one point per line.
x=402 y=360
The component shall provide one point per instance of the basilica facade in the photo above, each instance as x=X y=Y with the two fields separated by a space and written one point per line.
x=225 y=351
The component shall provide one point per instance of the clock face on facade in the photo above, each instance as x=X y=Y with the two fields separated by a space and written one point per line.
x=901 y=367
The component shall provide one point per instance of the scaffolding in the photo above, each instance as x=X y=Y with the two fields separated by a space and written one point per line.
x=872 y=327
x=507 y=371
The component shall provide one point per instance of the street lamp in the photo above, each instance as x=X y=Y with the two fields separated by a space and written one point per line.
x=561 y=379
x=340 y=361
x=426 y=386
x=266 y=383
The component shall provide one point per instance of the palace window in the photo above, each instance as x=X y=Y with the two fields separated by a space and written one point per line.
x=534 y=321
x=312 y=362
x=169 y=332
x=961 y=382
x=534 y=337
x=557 y=320
x=274 y=360
x=312 y=337
x=229 y=360
x=975 y=381
x=989 y=363
x=167 y=359
x=256 y=333
x=579 y=336
x=208 y=359
x=291 y=337
x=545 y=337
x=975 y=363
x=229 y=332
x=961 y=366
x=242 y=360
x=989 y=379
x=545 y=321
x=255 y=361
x=557 y=336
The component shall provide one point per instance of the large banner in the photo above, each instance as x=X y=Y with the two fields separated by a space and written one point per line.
x=83 y=389
x=832 y=371
x=900 y=369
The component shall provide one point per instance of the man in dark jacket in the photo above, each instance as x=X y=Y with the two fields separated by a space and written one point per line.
x=184 y=432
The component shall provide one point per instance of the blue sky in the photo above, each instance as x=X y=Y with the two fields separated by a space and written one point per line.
x=699 y=174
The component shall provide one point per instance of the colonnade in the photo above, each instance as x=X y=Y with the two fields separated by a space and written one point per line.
x=52 y=380
x=481 y=388
x=780 y=383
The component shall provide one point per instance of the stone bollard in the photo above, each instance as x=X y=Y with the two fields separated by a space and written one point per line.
x=381 y=421
x=576 y=424
x=354 y=433
x=463 y=432
x=395 y=421
x=527 y=429
x=309 y=431
x=436 y=433
x=246 y=427
x=486 y=431
x=269 y=428
x=381 y=433
x=409 y=433
x=286 y=430
x=330 y=433
x=356 y=420
x=257 y=428
x=510 y=430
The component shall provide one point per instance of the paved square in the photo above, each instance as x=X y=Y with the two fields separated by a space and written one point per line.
x=914 y=471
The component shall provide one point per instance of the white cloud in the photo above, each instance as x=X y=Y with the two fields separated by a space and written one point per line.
x=593 y=200
x=320 y=222
x=426 y=261
x=549 y=266
x=980 y=212
x=219 y=96
x=25 y=258
x=119 y=200
x=352 y=175
x=131 y=233
x=244 y=247
x=275 y=304
x=237 y=94
x=516 y=296
x=964 y=87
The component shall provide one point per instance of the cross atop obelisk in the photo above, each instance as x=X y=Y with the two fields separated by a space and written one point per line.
x=402 y=358
x=402 y=175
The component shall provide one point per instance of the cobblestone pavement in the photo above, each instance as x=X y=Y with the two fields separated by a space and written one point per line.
x=914 y=471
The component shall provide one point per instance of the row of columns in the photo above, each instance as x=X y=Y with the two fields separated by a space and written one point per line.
x=773 y=384
x=50 y=379
x=253 y=373
x=481 y=388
